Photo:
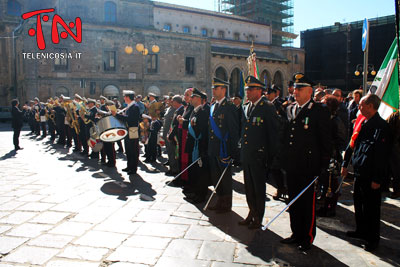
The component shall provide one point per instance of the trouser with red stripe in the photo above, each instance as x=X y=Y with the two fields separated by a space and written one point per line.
x=302 y=212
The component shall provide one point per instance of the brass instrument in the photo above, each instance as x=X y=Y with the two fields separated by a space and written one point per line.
x=73 y=121
x=82 y=112
x=155 y=109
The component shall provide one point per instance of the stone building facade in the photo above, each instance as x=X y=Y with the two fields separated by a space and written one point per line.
x=102 y=62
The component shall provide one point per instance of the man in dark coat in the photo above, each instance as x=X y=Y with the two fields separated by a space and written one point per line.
x=196 y=147
x=173 y=138
x=307 y=148
x=369 y=157
x=17 y=121
x=222 y=144
x=131 y=118
x=259 y=144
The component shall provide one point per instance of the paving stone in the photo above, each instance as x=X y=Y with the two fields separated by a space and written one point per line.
x=127 y=264
x=70 y=263
x=165 y=206
x=245 y=257
x=10 y=206
x=18 y=192
x=116 y=225
x=217 y=251
x=18 y=217
x=169 y=262
x=136 y=255
x=36 y=206
x=83 y=253
x=93 y=215
x=183 y=248
x=50 y=217
x=4 y=228
x=205 y=233
x=226 y=264
x=71 y=228
x=31 y=198
x=29 y=230
x=101 y=239
x=156 y=216
x=32 y=255
x=162 y=230
x=51 y=241
x=8 y=243
x=147 y=242
x=188 y=207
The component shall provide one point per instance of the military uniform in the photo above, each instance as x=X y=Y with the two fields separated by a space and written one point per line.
x=259 y=143
x=174 y=139
x=307 y=152
x=222 y=145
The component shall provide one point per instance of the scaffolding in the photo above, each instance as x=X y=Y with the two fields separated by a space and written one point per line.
x=276 y=13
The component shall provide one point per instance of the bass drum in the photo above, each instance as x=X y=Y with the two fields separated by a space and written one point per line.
x=95 y=144
x=111 y=129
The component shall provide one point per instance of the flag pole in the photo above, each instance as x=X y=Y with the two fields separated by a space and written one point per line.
x=397 y=7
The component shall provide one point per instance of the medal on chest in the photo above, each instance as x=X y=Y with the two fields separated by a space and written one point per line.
x=306 y=123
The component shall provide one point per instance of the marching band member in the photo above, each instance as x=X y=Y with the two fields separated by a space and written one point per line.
x=131 y=118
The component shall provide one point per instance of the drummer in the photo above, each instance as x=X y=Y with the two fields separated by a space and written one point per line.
x=108 y=147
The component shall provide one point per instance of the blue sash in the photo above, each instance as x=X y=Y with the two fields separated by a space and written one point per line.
x=195 y=153
x=223 y=151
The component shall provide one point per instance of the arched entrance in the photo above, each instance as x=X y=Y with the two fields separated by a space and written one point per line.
x=278 y=79
x=111 y=91
x=61 y=91
x=235 y=82
x=266 y=78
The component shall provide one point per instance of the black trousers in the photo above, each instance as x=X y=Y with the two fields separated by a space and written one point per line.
x=17 y=131
x=254 y=184
x=216 y=169
x=367 y=206
x=132 y=153
x=109 y=151
x=302 y=212
x=44 y=130
x=199 y=177
x=52 y=129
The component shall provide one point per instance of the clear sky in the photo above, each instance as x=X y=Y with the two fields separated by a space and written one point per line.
x=310 y=14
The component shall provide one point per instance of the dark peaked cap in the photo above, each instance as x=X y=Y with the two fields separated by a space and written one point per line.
x=218 y=82
x=252 y=81
x=300 y=79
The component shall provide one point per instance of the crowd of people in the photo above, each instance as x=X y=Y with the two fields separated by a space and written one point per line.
x=292 y=141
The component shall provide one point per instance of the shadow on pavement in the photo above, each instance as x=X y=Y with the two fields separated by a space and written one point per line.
x=9 y=155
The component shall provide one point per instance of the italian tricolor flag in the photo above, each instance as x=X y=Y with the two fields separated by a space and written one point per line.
x=386 y=83
x=386 y=86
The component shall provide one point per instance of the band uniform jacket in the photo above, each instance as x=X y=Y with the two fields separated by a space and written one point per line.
x=131 y=116
x=175 y=124
x=259 y=140
x=226 y=119
x=199 y=123
x=17 y=118
x=308 y=141
x=370 y=155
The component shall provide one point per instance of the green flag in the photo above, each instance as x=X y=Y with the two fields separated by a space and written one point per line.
x=386 y=83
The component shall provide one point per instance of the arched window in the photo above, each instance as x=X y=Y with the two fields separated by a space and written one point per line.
x=13 y=8
x=235 y=82
x=278 y=79
x=220 y=73
x=110 y=12
x=111 y=91
x=61 y=91
x=266 y=78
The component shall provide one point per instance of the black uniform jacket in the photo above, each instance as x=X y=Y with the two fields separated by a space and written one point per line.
x=131 y=116
x=199 y=123
x=226 y=119
x=370 y=155
x=186 y=115
x=17 y=118
x=259 y=132
x=308 y=141
x=175 y=124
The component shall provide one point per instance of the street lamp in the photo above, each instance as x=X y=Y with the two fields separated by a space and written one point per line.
x=360 y=70
x=144 y=51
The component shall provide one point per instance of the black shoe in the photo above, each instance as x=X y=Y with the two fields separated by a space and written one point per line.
x=355 y=234
x=289 y=240
x=166 y=163
x=246 y=221
x=371 y=246
x=110 y=165
x=195 y=199
x=130 y=172
x=120 y=150
x=175 y=183
x=303 y=247
x=395 y=195
x=126 y=169
x=93 y=156
x=18 y=148
x=171 y=173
